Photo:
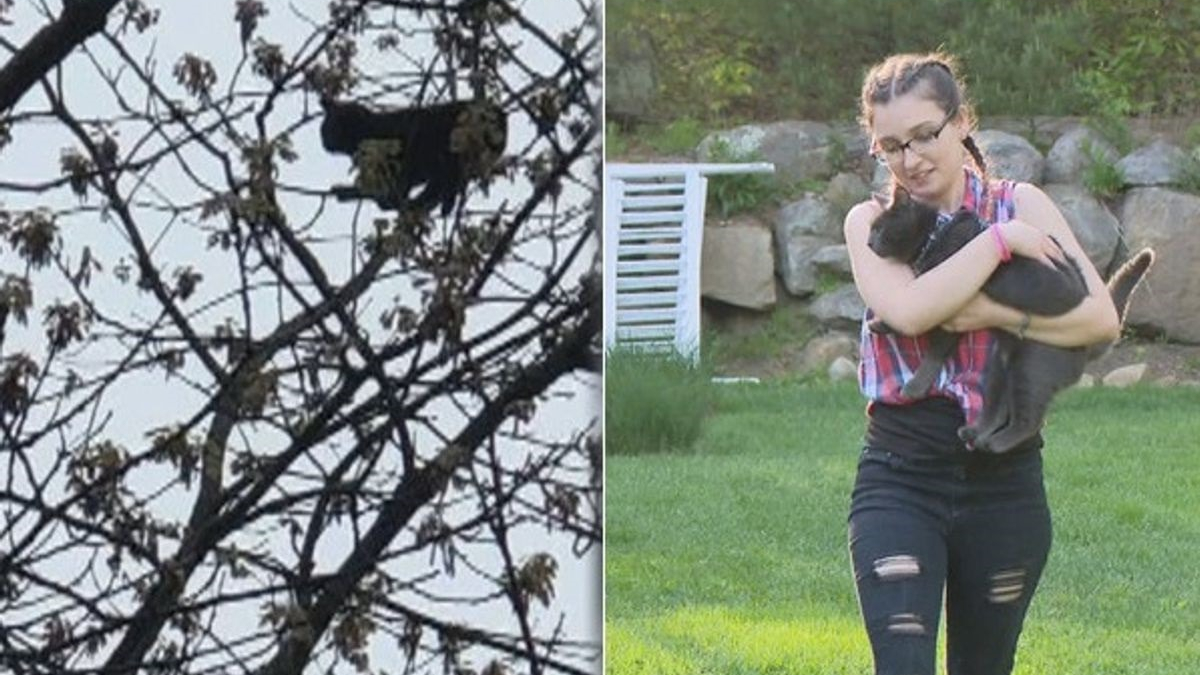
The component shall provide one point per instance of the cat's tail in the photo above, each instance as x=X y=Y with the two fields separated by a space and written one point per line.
x=1121 y=286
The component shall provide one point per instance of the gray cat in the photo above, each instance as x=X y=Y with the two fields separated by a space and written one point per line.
x=1021 y=376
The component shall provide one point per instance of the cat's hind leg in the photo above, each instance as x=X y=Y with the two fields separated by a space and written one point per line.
x=996 y=394
x=1039 y=372
x=941 y=344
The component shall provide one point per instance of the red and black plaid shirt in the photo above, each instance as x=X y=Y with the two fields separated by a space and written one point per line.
x=888 y=361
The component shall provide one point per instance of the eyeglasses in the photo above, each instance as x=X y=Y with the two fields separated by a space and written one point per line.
x=891 y=150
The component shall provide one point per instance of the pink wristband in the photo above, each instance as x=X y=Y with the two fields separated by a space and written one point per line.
x=1005 y=253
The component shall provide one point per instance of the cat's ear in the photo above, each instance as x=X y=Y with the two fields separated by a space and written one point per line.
x=899 y=196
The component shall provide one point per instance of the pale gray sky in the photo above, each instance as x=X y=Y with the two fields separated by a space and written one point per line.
x=207 y=29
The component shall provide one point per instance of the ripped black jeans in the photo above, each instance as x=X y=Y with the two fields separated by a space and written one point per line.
x=975 y=526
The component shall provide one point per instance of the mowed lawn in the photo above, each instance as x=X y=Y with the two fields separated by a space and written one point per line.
x=730 y=557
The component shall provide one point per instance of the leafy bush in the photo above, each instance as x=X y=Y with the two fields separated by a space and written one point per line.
x=616 y=145
x=680 y=136
x=734 y=60
x=1189 y=172
x=703 y=69
x=1112 y=128
x=1103 y=178
x=784 y=331
x=1021 y=61
x=653 y=402
x=729 y=194
x=1192 y=136
x=1143 y=56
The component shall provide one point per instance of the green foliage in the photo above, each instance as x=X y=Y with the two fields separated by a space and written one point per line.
x=1192 y=136
x=377 y=170
x=616 y=145
x=1022 y=61
x=828 y=282
x=786 y=329
x=729 y=194
x=653 y=402
x=838 y=154
x=1189 y=172
x=1143 y=56
x=1102 y=177
x=678 y=137
x=719 y=60
x=703 y=69
x=1113 y=128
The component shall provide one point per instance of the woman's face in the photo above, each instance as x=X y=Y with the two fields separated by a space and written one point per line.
x=923 y=149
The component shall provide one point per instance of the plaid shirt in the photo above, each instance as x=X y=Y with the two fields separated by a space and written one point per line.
x=888 y=361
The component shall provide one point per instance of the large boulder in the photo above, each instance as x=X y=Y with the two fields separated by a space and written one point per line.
x=834 y=259
x=1096 y=228
x=823 y=350
x=737 y=266
x=1010 y=156
x=856 y=145
x=1074 y=152
x=844 y=191
x=1125 y=376
x=799 y=150
x=840 y=309
x=796 y=263
x=630 y=87
x=1159 y=163
x=810 y=215
x=802 y=229
x=1169 y=222
x=842 y=369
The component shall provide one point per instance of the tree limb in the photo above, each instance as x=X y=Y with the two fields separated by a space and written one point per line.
x=79 y=20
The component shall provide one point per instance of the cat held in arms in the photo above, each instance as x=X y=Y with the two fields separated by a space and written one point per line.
x=1021 y=376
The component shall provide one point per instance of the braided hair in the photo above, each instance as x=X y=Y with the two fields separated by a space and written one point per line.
x=935 y=76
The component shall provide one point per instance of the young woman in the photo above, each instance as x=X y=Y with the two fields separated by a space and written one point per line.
x=928 y=517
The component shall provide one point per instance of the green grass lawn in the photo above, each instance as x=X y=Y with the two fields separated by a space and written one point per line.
x=731 y=557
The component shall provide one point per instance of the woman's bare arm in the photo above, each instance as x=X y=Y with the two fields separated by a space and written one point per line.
x=915 y=304
x=1094 y=320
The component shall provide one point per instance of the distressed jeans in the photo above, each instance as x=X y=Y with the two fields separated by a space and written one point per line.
x=976 y=528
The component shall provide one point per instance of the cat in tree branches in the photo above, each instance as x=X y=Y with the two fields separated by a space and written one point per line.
x=436 y=148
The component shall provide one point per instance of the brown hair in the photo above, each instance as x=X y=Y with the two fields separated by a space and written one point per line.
x=934 y=76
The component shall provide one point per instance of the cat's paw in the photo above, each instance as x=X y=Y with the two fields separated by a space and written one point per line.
x=968 y=434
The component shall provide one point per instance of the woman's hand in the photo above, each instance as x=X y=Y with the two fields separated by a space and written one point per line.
x=1029 y=241
x=982 y=312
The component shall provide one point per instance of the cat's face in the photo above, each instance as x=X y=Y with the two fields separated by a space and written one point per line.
x=902 y=229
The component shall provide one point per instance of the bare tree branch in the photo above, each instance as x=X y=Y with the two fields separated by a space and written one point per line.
x=50 y=46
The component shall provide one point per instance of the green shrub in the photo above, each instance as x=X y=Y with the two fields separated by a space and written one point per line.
x=1192 y=136
x=1113 y=128
x=721 y=60
x=1189 y=172
x=1022 y=61
x=616 y=145
x=1143 y=56
x=653 y=402
x=785 y=330
x=680 y=136
x=1101 y=177
x=729 y=194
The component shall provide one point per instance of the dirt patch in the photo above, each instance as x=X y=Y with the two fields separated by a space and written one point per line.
x=1169 y=362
